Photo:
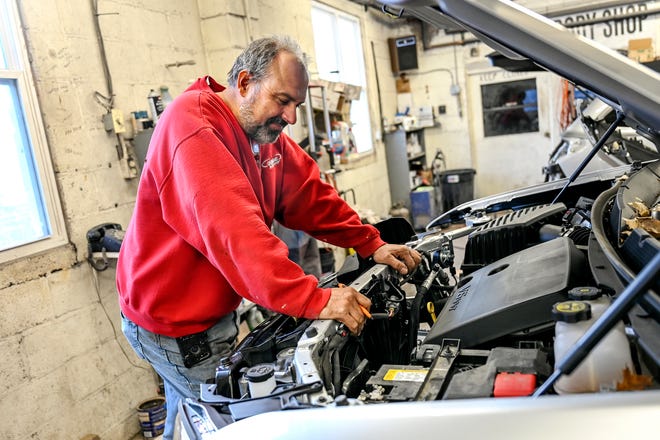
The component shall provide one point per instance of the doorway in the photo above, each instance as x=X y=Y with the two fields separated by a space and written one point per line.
x=509 y=114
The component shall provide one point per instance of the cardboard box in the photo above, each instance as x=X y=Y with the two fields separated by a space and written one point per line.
x=316 y=93
x=338 y=87
x=315 y=85
x=351 y=92
x=641 y=50
x=346 y=110
x=402 y=84
x=337 y=95
x=333 y=99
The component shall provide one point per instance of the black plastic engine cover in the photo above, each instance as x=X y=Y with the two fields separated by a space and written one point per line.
x=508 y=234
x=510 y=295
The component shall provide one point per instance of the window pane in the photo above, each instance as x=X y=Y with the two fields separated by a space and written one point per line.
x=361 y=123
x=351 y=52
x=22 y=217
x=327 y=64
x=510 y=108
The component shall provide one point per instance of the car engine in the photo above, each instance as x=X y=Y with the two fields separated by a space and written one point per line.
x=532 y=277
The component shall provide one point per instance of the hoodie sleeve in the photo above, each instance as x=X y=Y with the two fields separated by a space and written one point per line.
x=329 y=218
x=216 y=211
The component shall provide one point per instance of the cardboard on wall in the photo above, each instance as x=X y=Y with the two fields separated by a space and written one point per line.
x=403 y=84
x=641 y=50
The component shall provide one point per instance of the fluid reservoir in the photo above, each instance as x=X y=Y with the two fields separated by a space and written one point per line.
x=261 y=380
x=603 y=367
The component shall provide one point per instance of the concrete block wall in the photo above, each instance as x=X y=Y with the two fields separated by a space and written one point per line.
x=66 y=369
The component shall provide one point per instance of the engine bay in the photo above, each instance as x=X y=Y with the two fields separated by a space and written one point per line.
x=531 y=279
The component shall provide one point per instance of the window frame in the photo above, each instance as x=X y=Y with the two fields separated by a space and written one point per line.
x=18 y=70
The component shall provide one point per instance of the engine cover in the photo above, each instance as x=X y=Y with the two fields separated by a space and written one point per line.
x=508 y=234
x=510 y=295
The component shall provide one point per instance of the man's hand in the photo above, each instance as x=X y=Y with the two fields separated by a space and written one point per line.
x=401 y=258
x=344 y=306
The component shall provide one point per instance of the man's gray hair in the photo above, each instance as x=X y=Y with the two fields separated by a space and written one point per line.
x=259 y=55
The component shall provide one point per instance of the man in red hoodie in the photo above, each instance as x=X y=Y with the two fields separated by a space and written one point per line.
x=218 y=171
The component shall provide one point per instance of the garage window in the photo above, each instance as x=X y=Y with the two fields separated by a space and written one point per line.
x=30 y=213
x=510 y=107
x=340 y=58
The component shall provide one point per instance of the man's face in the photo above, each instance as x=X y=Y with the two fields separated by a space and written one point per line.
x=271 y=104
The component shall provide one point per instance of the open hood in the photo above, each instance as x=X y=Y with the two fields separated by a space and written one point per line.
x=516 y=32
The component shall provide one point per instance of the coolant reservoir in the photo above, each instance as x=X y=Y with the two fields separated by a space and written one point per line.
x=603 y=367
x=261 y=380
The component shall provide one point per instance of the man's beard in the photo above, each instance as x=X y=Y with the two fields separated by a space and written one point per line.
x=260 y=133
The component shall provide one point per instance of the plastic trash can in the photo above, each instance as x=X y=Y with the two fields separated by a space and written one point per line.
x=457 y=186
x=422 y=204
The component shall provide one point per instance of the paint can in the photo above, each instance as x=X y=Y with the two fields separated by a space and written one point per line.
x=151 y=414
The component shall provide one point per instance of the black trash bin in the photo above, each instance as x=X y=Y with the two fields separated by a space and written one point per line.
x=457 y=186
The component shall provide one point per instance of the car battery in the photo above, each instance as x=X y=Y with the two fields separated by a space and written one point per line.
x=396 y=383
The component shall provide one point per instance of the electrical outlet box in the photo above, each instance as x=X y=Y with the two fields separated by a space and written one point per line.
x=107 y=122
x=118 y=121
x=114 y=121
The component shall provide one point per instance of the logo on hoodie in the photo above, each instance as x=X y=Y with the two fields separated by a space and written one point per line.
x=272 y=162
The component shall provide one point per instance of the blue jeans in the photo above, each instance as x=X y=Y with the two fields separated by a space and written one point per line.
x=163 y=354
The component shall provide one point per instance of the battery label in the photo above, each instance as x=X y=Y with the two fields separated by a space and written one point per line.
x=405 y=375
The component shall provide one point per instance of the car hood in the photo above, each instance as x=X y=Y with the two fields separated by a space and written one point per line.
x=516 y=32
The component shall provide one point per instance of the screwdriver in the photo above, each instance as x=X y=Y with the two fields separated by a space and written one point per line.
x=364 y=309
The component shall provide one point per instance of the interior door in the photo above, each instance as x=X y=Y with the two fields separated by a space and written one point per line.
x=509 y=114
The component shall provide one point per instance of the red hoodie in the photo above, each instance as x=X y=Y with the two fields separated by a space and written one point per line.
x=200 y=236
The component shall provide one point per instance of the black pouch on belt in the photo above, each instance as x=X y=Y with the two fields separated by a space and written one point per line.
x=194 y=348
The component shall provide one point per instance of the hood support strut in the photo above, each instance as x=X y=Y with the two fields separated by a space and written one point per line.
x=619 y=118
